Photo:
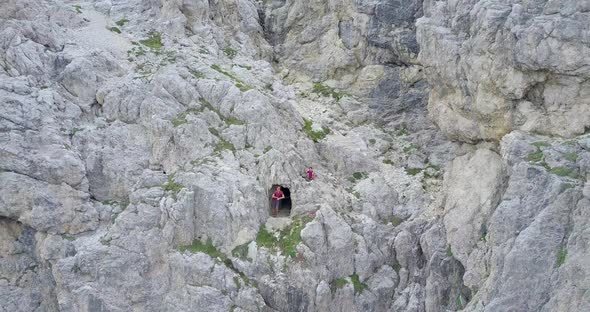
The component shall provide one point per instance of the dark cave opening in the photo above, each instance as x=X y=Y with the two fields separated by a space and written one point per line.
x=285 y=204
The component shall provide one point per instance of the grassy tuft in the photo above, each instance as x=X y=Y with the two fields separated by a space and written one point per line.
x=561 y=255
x=224 y=145
x=241 y=252
x=573 y=157
x=324 y=90
x=172 y=186
x=230 y=53
x=388 y=161
x=154 y=41
x=243 y=87
x=314 y=135
x=204 y=247
x=78 y=8
x=359 y=287
x=565 y=186
x=395 y=220
x=535 y=157
x=449 y=251
x=413 y=171
x=338 y=284
x=396 y=266
x=540 y=144
x=221 y=71
x=402 y=132
x=122 y=22
x=410 y=149
x=359 y=176
x=68 y=237
x=287 y=240
x=265 y=238
x=115 y=29
x=181 y=119
x=197 y=74
x=234 y=121
x=563 y=172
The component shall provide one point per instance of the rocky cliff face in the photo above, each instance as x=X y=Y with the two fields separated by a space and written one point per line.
x=140 y=139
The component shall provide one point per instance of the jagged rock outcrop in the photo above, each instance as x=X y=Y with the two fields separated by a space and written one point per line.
x=139 y=141
x=498 y=66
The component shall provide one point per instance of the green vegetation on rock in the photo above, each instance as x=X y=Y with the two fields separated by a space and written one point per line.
x=413 y=171
x=181 y=119
x=359 y=287
x=324 y=90
x=230 y=53
x=122 y=22
x=338 y=283
x=241 y=252
x=314 y=135
x=449 y=251
x=561 y=255
x=288 y=238
x=68 y=237
x=197 y=74
x=564 y=172
x=359 y=176
x=204 y=247
x=154 y=41
x=573 y=157
x=115 y=29
x=172 y=186
x=540 y=144
x=78 y=8
x=535 y=156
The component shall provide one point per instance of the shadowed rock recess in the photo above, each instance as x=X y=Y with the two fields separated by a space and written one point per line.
x=450 y=142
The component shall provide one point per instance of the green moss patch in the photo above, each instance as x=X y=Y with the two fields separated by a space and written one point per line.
x=287 y=239
x=230 y=53
x=224 y=145
x=243 y=87
x=327 y=91
x=413 y=171
x=181 y=118
x=115 y=29
x=338 y=284
x=359 y=176
x=540 y=144
x=154 y=41
x=573 y=157
x=359 y=287
x=449 y=251
x=561 y=256
x=395 y=220
x=68 y=237
x=241 y=252
x=402 y=132
x=197 y=74
x=78 y=8
x=172 y=186
x=315 y=136
x=122 y=22
x=204 y=247
x=535 y=156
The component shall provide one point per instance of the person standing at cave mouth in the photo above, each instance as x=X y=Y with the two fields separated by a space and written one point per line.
x=277 y=196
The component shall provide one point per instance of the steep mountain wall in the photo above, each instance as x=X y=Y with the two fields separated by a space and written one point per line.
x=139 y=141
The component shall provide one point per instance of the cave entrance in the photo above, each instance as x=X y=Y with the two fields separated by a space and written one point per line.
x=285 y=204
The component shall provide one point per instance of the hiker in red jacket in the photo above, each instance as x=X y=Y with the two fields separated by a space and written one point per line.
x=310 y=174
x=277 y=196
